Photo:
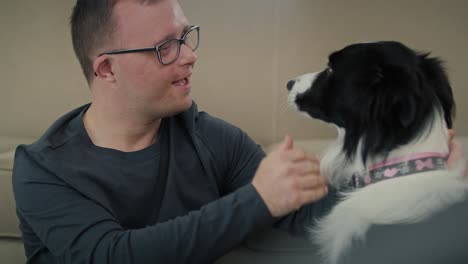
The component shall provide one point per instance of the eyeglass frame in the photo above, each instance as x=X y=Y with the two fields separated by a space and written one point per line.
x=158 y=46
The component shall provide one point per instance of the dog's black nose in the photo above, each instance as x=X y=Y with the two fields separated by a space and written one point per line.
x=290 y=84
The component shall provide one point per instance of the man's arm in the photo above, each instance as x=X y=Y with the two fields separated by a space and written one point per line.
x=247 y=155
x=78 y=230
x=299 y=222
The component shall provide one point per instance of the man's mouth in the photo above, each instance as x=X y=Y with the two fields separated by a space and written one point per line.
x=181 y=82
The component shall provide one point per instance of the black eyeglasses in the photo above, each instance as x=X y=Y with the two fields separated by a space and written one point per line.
x=169 y=50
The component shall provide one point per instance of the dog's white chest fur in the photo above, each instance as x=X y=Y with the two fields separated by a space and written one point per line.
x=407 y=199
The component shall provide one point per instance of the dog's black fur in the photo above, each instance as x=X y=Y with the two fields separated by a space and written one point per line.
x=395 y=87
x=389 y=102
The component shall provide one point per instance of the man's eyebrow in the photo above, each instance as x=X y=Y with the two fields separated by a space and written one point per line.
x=186 y=28
x=173 y=36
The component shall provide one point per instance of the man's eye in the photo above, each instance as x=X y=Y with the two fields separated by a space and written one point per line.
x=168 y=47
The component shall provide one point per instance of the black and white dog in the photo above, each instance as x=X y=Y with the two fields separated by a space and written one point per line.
x=392 y=108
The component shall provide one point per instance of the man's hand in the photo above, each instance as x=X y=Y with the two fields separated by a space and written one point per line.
x=455 y=154
x=288 y=178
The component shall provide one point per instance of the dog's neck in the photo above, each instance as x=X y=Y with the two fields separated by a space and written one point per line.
x=400 y=167
x=339 y=170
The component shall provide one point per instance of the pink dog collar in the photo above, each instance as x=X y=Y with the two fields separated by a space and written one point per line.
x=397 y=167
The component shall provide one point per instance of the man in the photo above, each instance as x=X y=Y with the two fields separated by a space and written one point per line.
x=139 y=175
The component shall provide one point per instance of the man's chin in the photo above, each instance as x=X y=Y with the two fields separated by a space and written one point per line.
x=187 y=106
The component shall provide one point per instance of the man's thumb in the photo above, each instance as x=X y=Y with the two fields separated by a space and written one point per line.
x=287 y=142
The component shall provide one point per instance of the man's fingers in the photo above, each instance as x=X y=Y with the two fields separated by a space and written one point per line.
x=312 y=182
x=293 y=155
x=303 y=168
x=451 y=134
x=455 y=155
x=313 y=195
x=298 y=155
x=288 y=143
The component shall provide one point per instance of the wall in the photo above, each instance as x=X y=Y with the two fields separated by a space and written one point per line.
x=249 y=50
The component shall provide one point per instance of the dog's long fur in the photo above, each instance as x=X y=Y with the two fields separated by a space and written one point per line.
x=386 y=101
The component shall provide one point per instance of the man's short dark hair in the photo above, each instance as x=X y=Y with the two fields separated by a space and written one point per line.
x=92 y=26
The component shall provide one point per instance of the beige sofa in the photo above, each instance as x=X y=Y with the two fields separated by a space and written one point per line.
x=270 y=247
x=11 y=247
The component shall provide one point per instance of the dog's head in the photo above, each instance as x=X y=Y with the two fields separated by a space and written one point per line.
x=382 y=94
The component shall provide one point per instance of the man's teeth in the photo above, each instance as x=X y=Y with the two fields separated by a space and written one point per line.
x=181 y=82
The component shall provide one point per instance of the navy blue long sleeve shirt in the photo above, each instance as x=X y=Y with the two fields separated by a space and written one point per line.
x=188 y=198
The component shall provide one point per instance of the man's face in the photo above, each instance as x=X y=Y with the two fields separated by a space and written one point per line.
x=147 y=86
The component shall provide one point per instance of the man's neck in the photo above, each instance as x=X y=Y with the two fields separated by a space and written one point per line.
x=119 y=130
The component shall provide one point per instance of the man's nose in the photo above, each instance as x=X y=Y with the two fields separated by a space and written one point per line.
x=290 y=84
x=187 y=56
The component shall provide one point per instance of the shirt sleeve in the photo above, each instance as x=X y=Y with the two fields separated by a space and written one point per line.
x=233 y=155
x=242 y=157
x=78 y=230
x=299 y=222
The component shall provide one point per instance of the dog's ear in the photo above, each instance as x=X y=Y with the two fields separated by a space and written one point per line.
x=377 y=75
x=433 y=75
x=392 y=108
x=393 y=81
x=406 y=109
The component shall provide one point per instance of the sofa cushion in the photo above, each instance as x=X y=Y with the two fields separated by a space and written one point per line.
x=8 y=143
x=12 y=251
x=11 y=246
x=8 y=219
x=6 y=160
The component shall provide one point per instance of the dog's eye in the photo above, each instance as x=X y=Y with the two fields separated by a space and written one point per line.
x=329 y=70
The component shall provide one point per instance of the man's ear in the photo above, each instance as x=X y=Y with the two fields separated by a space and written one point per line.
x=103 y=68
